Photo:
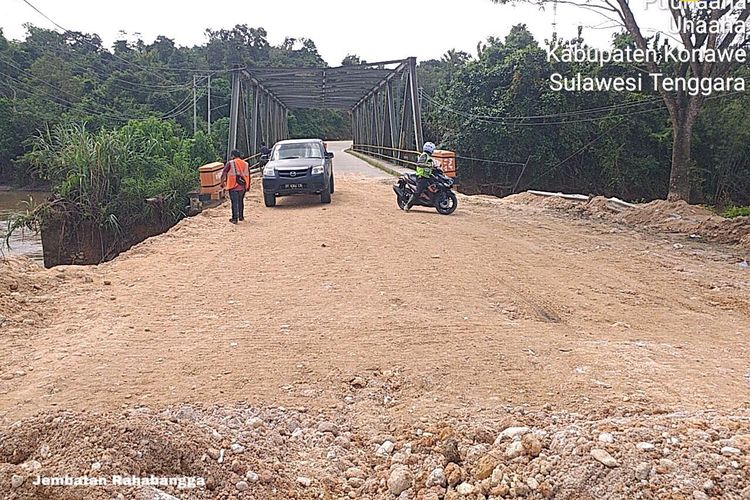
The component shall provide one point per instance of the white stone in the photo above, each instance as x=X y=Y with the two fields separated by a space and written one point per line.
x=603 y=457
x=497 y=476
x=385 y=449
x=352 y=472
x=465 y=489
x=514 y=449
x=252 y=476
x=16 y=481
x=606 y=437
x=642 y=471
x=304 y=481
x=532 y=483
x=254 y=422
x=512 y=433
x=400 y=480
x=155 y=494
x=436 y=478
x=728 y=451
x=645 y=446
x=237 y=448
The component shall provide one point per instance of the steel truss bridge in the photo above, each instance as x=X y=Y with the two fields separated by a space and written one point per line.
x=382 y=100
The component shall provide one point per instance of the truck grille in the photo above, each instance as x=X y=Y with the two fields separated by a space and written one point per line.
x=297 y=172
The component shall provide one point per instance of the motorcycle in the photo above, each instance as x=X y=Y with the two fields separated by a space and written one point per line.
x=438 y=194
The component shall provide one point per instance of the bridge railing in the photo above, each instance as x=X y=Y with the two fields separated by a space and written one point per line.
x=403 y=157
x=254 y=162
x=475 y=175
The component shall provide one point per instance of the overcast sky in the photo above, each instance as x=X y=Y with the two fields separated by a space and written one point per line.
x=375 y=30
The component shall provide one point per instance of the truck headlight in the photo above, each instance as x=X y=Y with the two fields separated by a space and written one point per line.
x=317 y=170
x=269 y=172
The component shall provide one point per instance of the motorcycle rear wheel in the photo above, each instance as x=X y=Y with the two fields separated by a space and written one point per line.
x=446 y=203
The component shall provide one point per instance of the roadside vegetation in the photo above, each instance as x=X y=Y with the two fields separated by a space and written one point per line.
x=498 y=105
x=114 y=180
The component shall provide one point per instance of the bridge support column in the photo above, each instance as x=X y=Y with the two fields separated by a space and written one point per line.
x=234 y=110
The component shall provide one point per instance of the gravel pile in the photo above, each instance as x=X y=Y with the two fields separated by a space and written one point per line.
x=247 y=452
x=659 y=215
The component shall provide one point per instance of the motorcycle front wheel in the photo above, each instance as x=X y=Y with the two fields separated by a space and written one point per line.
x=401 y=201
x=446 y=203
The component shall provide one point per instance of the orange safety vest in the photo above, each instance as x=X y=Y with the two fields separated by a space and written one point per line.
x=238 y=167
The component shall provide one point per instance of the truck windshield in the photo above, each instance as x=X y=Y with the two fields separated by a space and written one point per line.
x=301 y=150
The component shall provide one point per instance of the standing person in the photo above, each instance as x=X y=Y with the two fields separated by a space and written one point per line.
x=425 y=164
x=236 y=179
x=265 y=154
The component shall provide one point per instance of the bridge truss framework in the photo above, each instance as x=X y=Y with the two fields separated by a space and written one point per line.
x=381 y=98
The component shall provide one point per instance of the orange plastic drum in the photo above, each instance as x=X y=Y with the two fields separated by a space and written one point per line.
x=446 y=160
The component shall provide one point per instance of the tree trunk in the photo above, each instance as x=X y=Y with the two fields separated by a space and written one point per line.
x=679 y=182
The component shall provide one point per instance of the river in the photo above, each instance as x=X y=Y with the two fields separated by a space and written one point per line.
x=23 y=242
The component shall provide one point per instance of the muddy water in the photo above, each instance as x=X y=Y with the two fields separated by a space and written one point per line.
x=23 y=242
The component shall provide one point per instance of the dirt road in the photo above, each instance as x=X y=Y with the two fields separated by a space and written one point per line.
x=509 y=349
x=500 y=303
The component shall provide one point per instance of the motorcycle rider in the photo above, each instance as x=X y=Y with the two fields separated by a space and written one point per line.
x=425 y=164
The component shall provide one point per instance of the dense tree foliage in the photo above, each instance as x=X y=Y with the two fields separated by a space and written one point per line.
x=494 y=105
x=499 y=105
x=53 y=78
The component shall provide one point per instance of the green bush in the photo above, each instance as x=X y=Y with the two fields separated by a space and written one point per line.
x=107 y=176
x=732 y=212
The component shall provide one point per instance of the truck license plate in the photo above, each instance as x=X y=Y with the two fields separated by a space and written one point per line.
x=295 y=186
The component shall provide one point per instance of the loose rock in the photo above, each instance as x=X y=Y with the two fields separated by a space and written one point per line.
x=645 y=446
x=606 y=437
x=531 y=445
x=16 y=481
x=385 y=449
x=642 y=471
x=437 y=478
x=465 y=489
x=328 y=427
x=512 y=433
x=604 y=457
x=450 y=451
x=514 y=449
x=453 y=474
x=400 y=480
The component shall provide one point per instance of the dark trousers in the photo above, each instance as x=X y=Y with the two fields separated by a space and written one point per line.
x=422 y=184
x=238 y=204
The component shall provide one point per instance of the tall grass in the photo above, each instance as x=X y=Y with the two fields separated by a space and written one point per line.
x=106 y=177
